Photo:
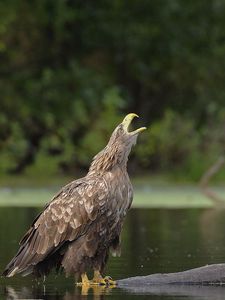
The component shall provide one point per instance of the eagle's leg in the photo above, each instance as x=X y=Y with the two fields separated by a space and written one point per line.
x=84 y=280
x=98 y=279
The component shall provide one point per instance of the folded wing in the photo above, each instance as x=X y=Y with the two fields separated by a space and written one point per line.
x=65 y=219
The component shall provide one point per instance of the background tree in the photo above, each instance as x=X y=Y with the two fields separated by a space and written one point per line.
x=71 y=69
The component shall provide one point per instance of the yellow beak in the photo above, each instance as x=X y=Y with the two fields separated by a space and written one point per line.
x=127 y=121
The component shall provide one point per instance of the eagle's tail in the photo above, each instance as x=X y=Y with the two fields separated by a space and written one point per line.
x=18 y=264
x=22 y=262
x=28 y=261
x=9 y=272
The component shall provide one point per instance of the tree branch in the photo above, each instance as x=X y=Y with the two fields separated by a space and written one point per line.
x=204 y=182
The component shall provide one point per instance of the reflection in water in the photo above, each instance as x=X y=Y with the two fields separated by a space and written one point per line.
x=97 y=292
x=193 y=291
x=212 y=223
x=11 y=294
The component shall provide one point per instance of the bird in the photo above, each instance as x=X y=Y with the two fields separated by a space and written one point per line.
x=82 y=223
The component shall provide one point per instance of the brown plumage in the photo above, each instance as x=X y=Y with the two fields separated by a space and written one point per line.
x=83 y=221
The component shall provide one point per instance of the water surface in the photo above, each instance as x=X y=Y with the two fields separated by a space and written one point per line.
x=154 y=240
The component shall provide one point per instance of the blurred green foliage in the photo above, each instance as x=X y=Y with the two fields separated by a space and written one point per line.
x=70 y=70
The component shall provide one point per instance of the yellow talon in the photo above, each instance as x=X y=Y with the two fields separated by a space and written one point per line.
x=99 y=280
x=110 y=281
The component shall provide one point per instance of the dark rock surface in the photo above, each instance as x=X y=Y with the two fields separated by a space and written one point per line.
x=206 y=275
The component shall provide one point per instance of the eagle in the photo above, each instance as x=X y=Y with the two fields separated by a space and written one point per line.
x=83 y=221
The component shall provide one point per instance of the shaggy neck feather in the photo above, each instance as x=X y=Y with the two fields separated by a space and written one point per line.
x=110 y=157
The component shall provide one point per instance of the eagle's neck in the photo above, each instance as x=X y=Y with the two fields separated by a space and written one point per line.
x=112 y=156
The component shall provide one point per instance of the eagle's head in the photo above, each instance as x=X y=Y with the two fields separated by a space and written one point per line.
x=123 y=136
x=118 y=148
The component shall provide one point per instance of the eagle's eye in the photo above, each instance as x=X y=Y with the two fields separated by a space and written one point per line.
x=120 y=130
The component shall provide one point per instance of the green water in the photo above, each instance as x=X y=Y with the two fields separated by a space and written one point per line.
x=154 y=240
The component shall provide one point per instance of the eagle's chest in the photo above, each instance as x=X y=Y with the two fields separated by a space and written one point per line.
x=121 y=194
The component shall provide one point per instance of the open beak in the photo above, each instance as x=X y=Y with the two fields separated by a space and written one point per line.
x=127 y=121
